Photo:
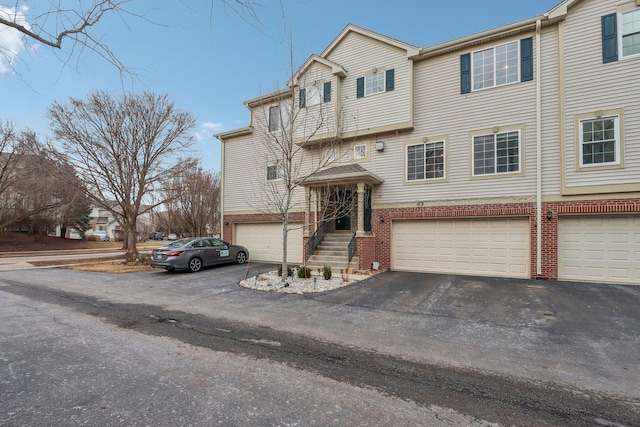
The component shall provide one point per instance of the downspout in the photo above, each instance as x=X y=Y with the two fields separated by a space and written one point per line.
x=221 y=195
x=538 y=155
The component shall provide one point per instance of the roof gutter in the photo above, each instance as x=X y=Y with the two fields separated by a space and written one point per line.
x=483 y=37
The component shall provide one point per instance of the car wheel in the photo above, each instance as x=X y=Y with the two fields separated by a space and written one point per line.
x=195 y=265
x=241 y=258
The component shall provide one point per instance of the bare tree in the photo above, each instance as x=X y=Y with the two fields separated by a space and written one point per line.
x=75 y=28
x=126 y=151
x=37 y=189
x=301 y=134
x=193 y=204
x=10 y=151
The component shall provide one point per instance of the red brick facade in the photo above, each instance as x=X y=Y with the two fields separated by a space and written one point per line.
x=377 y=247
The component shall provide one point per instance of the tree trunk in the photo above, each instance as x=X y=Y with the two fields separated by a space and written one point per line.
x=130 y=242
x=285 y=232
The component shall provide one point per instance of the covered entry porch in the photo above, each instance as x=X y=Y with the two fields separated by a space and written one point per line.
x=338 y=217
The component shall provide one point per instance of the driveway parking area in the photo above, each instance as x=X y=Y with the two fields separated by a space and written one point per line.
x=578 y=334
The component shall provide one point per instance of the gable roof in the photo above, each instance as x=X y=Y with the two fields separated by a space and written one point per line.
x=410 y=49
x=336 y=69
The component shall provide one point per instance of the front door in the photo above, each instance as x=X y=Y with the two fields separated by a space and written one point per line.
x=343 y=217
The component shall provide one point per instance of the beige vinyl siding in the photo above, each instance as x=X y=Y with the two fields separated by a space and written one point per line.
x=318 y=119
x=550 y=118
x=440 y=110
x=236 y=184
x=359 y=55
x=591 y=85
x=245 y=169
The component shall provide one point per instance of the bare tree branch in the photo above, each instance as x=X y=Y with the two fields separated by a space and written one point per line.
x=125 y=150
x=76 y=27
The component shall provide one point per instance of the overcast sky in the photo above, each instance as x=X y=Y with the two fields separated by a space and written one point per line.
x=210 y=61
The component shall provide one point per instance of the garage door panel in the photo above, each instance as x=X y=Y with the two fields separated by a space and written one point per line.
x=490 y=247
x=264 y=241
x=599 y=249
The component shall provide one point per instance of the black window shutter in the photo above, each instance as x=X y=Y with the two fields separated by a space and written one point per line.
x=526 y=59
x=609 y=38
x=465 y=73
x=360 y=87
x=327 y=92
x=302 y=98
x=389 y=80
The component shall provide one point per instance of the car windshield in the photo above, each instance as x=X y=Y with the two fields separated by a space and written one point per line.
x=178 y=243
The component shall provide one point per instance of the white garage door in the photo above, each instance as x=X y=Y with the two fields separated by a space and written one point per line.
x=483 y=247
x=599 y=249
x=264 y=241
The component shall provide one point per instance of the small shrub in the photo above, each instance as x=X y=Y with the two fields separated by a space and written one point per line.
x=93 y=238
x=326 y=272
x=289 y=271
x=304 y=272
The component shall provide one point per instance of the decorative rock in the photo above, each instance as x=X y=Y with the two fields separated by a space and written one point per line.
x=272 y=282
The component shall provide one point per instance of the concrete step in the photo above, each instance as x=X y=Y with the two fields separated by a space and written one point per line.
x=331 y=252
x=335 y=267
x=338 y=238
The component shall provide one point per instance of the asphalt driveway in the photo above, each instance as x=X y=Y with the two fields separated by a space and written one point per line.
x=575 y=334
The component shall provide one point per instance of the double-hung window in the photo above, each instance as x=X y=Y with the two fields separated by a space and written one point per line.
x=314 y=95
x=328 y=156
x=375 y=83
x=274 y=171
x=425 y=161
x=600 y=141
x=496 y=66
x=360 y=151
x=620 y=35
x=630 y=33
x=278 y=117
x=496 y=153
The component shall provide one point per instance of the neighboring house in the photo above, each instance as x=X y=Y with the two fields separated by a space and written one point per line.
x=102 y=219
x=514 y=152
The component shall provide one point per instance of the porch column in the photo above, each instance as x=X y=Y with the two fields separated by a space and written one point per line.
x=360 y=229
x=307 y=209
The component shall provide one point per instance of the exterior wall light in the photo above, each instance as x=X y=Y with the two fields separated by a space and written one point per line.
x=549 y=215
x=381 y=219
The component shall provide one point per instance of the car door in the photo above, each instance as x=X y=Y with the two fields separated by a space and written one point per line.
x=222 y=251
x=207 y=252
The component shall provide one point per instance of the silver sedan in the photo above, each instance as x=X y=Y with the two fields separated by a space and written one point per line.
x=194 y=253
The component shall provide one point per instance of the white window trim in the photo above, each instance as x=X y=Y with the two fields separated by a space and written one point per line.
x=279 y=171
x=283 y=119
x=329 y=155
x=619 y=24
x=618 y=157
x=495 y=173
x=423 y=143
x=367 y=84
x=317 y=92
x=473 y=79
x=366 y=152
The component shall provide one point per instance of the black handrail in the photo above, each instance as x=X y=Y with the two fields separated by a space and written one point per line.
x=314 y=241
x=353 y=246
